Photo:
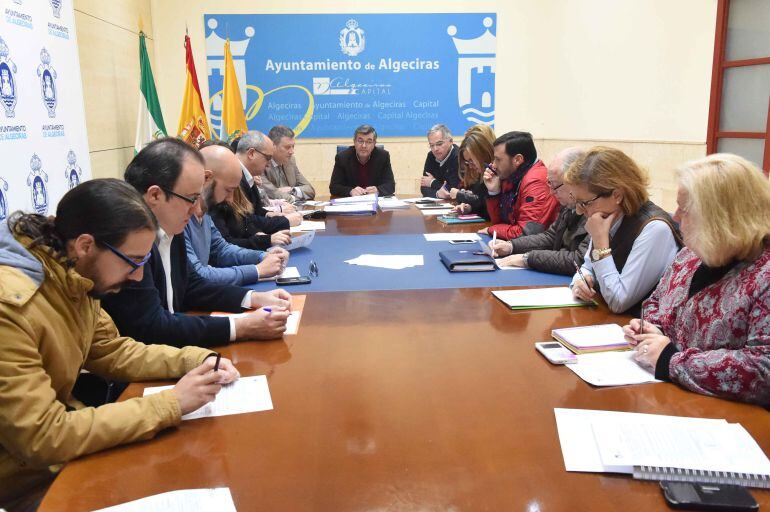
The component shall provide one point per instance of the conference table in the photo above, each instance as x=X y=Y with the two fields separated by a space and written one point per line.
x=431 y=399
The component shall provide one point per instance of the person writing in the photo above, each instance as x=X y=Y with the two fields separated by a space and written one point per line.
x=707 y=324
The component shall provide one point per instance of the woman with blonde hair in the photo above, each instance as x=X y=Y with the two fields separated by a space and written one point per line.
x=476 y=152
x=633 y=240
x=707 y=324
x=236 y=222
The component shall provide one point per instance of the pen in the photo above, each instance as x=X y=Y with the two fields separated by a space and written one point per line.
x=489 y=167
x=269 y=310
x=492 y=244
x=216 y=364
x=580 y=273
x=641 y=322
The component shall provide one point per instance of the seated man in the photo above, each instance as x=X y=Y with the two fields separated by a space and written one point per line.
x=210 y=255
x=518 y=202
x=170 y=175
x=363 y=168
x=559 y=248
x=441 y=164
x=53 y=271
x=282 y=178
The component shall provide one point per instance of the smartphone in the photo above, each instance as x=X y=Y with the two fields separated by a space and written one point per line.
x=456 y=242
x=555 y=352
x=285 y=281
x=697 y=496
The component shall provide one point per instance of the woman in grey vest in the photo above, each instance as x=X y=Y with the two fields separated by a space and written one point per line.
x=633 y=240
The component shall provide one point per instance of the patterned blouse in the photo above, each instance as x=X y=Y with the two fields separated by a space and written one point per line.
x=721 y=335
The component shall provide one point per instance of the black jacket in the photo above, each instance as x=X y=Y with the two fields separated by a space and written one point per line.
x=140 y=310
x=558 y=248
x=264 y=223
x=476 y=196
x=344 y=176
x=237 y=230
x=447 y=172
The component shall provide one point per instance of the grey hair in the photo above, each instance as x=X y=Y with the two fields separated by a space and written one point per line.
x=445 y=133
x=365 y=129
x=569 y=158
x=278 y=132
x=252 y=139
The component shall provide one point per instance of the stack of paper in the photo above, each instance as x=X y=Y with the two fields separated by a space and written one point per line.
x=453 y=237
x=184 y=500
x=391 y=261
x=368 y=198
x=303 y=240
x=611 y=369
x=247 y=394
x=592 y=338
x=392 y=203
x=356 y=208
x=652 y=446
x=539 y=298
x=309 y=225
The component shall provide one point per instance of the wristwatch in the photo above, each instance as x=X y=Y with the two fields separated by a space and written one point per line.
x=525 y=259
x=598 y=254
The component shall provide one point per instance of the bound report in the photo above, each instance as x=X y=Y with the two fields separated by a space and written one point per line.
x=592 y=338
x=467 y=261
x=657 y=447
x=460 y=219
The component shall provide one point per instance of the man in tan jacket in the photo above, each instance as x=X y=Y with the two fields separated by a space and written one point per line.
x=282 y=178
x=52 y=326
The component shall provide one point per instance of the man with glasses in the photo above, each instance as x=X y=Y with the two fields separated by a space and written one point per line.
x=519 y=201
x=563 y=245
x=170 y=175
x=441 y=164
x=363 y=168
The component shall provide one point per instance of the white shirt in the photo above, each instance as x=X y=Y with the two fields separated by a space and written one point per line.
x=164 y=248
x=247 y=175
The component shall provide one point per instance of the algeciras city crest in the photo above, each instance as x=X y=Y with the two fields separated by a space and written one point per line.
x=7 y=80
x=47 y=76
x=56 y=6
x=72 y=173
x=36 y=181
x=352 y=39
x=3 y=200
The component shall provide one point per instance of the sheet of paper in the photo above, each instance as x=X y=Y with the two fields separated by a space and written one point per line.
x=368 y=198
x=184 y=500
x=303 y=240
x=538 y=297
x=247 y=394
x=297 y=305
x=576 y=436
x=603 y=335
x=309 y=225
x=392 y=203
x=389 y=261
x=446 y=237
x=611 y=369
x=497 y=262
x=351 y=208
x=315 y=203
x=287 y=272
x=441 y=211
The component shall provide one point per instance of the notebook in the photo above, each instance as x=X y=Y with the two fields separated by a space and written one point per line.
x=539 y=298
x=658 y=447
x=467 y=261
x=592 y=338
x=461 y=219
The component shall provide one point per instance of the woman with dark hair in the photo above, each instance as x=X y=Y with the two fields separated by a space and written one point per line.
x=51 y=325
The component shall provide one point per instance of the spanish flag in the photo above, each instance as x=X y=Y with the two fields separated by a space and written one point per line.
x=193 y=125
x=233 y=118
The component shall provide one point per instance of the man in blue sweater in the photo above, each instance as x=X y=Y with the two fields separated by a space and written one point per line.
x=211 y=256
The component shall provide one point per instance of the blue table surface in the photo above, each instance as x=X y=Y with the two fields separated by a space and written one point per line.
x=330 y=253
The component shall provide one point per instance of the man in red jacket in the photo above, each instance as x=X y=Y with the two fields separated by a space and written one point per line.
x=519 y=200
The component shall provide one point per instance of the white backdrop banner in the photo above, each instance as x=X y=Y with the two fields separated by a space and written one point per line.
x=43 y=141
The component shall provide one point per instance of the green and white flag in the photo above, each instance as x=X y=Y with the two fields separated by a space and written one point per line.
x=149 y=124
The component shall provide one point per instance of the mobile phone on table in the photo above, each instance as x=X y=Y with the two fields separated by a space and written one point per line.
x=699 y=496
x=286 y=281
x=456 y=242
x=555 y=352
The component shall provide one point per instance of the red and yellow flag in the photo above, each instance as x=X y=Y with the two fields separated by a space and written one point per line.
x=193 y=125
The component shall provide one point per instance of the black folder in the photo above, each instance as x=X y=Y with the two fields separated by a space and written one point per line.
x=467 y=261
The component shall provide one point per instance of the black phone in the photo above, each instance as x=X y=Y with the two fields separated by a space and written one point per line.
x=699 y=496
x=285 y=281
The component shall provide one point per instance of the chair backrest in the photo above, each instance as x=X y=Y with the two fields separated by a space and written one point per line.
x=340 y=149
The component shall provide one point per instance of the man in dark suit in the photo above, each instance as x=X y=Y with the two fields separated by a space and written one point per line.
x=363 y=168
x=170 y=175
x=441 y=164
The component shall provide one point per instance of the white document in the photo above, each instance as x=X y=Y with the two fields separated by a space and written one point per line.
x=392 y=203
x=315 y=203
x=446 y=237
x=442 y=211
x=538 y=297
x=309 y=225
x=247 y=394
x=506 y=267
x=368 y=198
x=287 y=272
x=611 y=369
x=292 y=322
x=184 y=500
x=603 y=335
x=576 y=435
x=303 y=240
x=351 y=208
x=390 y=261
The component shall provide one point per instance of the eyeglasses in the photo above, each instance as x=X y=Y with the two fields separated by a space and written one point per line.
x=190 y=199
x=313 y=269
x=267 y=157
x=362 y=142
x=557 y=187
x=470 y=163
x=135 y=265
x=585 y=204
x=437 y=144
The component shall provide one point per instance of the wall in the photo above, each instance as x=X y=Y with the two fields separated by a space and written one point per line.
x=109 y=59
x=630 y=74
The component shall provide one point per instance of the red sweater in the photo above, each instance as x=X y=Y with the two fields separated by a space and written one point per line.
x=535 y=203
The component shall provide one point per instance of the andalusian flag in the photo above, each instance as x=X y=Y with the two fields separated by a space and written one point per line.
x=149 y=124
x=233 y=118
x=193 y=126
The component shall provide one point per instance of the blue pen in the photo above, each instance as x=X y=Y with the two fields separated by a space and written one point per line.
x=269 y=310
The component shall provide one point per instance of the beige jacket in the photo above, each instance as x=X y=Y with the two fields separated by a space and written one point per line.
x=50 y=329
x=288 y=175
